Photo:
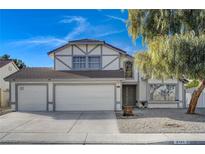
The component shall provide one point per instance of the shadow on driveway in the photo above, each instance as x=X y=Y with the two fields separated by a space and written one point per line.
x=71 y=115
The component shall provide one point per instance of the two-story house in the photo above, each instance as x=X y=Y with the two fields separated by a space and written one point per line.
x=89 y=75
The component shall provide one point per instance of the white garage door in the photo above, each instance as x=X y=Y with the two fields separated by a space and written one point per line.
x=84 y=97
x=32 y=97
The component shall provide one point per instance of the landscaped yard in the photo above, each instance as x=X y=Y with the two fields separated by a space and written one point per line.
x=162 y=121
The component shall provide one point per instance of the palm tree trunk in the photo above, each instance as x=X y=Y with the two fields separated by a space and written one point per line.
x=195 y=96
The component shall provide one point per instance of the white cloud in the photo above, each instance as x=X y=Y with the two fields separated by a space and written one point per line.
x=37 y=41
x=116 y=18
x=81 y=25
x=109 y=33
x=70 y=19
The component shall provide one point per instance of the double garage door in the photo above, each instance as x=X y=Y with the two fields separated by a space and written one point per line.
x=67 y=97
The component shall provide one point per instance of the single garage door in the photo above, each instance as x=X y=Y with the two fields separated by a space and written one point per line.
x=32 y=97
x=84 y=97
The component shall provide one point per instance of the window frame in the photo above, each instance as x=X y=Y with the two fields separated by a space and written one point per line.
x=164 y=84
x=78 y=62
x=88 y=62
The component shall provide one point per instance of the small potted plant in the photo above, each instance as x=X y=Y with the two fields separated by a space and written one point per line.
x=128 y=110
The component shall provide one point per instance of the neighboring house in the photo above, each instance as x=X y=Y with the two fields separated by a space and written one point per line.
x=7 y=67
x=89 y=75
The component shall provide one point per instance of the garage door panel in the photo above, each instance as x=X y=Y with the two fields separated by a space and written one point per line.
x=32 y=98
x=84 y=97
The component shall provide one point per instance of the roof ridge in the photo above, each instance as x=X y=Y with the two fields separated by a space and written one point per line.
x=86 y=39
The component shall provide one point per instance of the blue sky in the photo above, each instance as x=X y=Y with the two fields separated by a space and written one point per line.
x=30 y=34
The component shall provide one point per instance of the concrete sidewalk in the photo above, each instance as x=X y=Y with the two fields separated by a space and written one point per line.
x=94 y=138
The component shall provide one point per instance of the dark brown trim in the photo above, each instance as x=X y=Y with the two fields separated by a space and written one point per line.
x=110 y=62
x=54 y=61
x=79 y=49
x=93 y=48
x=63 y=62
x=58 y=49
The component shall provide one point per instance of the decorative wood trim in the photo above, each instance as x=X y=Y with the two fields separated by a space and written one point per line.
x=54 y=61
x=110 y=62
x=93 y=48
x=116 y=50
x=63 y=63
x=120 y=61
x=59 y=49
x=80 y=49
x=86 y=48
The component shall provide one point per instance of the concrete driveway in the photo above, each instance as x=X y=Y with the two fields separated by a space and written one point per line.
x=80 y=128
x=53 y=127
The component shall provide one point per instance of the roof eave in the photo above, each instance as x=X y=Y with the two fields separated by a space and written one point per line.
x=87 y=42
x=66 y=79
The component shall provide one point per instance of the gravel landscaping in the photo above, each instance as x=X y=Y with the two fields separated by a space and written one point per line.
x=162 y=121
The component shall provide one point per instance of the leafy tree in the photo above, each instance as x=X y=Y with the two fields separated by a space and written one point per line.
x=152 y=23
x=178 y=56
x=173 y=51
x=5 y=56
x=192 y=84
x=19 y=63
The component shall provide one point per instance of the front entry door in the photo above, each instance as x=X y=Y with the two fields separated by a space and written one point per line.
x=129 y=95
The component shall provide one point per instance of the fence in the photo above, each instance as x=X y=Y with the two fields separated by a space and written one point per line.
x=4 y=98
x=201 y=101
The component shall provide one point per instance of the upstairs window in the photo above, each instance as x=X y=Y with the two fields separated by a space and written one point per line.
x=94 y=62
x=79 y=62
x=128 y=69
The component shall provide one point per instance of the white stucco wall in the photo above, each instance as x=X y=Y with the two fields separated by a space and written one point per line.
x=117 y=86
x=65 y=51
x=60 y=66
x=13 y=90
x=119 y=96
x=107 y=59
x=108 y=54
x=5 y=71
x=143 y=93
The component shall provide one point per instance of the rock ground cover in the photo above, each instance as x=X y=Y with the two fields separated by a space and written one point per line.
x=162 y=121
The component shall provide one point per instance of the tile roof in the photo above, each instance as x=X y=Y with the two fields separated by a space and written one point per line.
x=49 y=73
x=4 y=62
